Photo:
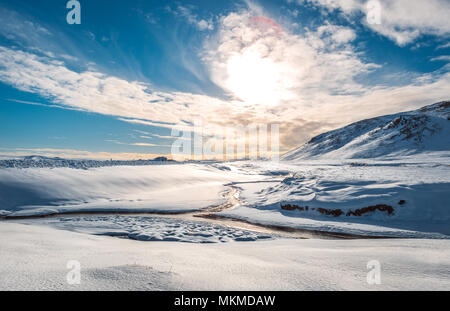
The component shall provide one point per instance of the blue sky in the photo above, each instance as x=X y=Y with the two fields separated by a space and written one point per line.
x=115 y=85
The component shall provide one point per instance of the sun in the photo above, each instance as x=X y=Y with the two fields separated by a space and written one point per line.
x=252 y=78
x=253 y=75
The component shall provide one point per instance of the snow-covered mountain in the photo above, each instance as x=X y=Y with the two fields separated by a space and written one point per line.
x=423 y=130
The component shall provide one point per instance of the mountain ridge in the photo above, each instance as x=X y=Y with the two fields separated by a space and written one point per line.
x=423 y=130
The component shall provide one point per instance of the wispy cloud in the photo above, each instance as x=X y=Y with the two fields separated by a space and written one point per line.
x=145 y=137
x=164 y=137
x=148 y=145
x=445 y=58
x=138 y=144
x=187 y=13
x=142 y=132
x=443 y=46
x=42 y=105
x=22 y=30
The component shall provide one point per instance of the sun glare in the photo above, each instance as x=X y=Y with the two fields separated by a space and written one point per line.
x=256 y=80
x=254 y=76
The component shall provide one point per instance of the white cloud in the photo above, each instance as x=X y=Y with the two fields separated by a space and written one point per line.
x=445 y=58
x=337 y=34
x=192 y=18
x=148 y=145
x=402 y=21
x=259 y=63
x=21 y=29
x=94 y=91
x=307 y=83
x=444 y=46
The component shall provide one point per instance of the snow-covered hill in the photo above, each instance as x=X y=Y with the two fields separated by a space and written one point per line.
x=423 y=130
x=47 y=162
x=147 y=188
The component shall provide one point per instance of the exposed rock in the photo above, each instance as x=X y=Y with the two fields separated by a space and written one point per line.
x=380 y=207
x=338 y=212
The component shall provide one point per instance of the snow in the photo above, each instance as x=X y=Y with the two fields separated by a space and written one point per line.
x=35 y=258
x=272 y=217
x=154 y=188
x=423 y=184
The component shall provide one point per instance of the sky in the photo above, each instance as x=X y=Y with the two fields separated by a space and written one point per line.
x=117 y=84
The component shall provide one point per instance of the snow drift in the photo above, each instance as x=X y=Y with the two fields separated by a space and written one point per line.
x=153 y=188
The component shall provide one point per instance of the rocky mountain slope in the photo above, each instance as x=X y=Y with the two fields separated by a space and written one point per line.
x=423 y=130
